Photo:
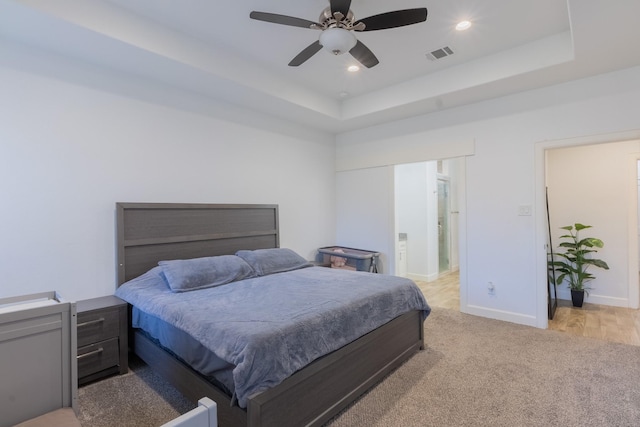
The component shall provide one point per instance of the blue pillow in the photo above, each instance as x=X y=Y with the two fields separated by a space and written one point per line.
x=198 y=273
x=274 y=260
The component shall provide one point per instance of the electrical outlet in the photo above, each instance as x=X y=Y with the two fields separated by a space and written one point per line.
x=491 y=288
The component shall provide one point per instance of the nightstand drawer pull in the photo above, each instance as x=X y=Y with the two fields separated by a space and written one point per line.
x=91 y=322
x=91 y=353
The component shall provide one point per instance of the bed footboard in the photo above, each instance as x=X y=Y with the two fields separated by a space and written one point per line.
x=317 y=393
x=313 y=395
x=189 y=382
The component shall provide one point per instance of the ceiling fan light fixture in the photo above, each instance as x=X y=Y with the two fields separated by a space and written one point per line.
x=337 y=40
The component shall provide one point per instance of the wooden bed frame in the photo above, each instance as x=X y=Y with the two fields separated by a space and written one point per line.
x=148 y=233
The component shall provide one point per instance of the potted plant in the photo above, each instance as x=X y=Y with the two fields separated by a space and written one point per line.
x=576 y=260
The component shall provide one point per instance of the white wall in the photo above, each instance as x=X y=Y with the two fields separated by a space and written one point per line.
x=417 y=216
x=367 y=209
x=70 y=151
x=413 y=205
x=503 y=174
x=589 y=185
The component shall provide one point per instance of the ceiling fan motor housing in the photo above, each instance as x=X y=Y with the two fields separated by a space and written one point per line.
x=328 y=19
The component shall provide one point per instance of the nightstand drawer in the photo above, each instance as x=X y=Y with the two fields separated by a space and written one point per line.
x=97 y=357
x=97 y=326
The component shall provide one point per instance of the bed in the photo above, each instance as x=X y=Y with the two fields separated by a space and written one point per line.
x=313 y=394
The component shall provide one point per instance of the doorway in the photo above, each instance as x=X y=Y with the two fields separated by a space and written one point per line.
x=426 y=212
x=587 y=198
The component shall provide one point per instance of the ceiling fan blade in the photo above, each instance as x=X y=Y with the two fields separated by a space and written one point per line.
x=364 y=55
x=341 y=6
x=398 y=18
x=307 y=53
x=282 y=19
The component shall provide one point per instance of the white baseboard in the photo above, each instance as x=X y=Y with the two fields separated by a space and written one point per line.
x=506 y=316
x=594 y=298
x=423 y=277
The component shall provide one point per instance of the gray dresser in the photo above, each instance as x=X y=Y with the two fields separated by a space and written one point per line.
x=37 y=356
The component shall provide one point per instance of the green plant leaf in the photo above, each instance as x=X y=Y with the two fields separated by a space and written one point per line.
x=588 y=242
x=598 y=263
x=596 y=242
x=568 y=245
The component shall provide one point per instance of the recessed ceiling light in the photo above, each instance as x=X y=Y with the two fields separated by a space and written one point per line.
x=343 y=94
x=353 y=68
x=463 y=25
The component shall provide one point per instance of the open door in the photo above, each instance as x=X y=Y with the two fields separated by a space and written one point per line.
x=552 y=297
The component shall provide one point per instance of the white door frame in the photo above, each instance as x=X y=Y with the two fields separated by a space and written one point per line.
x=541 y=225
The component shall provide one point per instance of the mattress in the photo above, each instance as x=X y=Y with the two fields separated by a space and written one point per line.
x=254 y=333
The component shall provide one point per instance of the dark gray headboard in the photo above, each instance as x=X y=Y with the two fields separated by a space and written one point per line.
x=152 y=232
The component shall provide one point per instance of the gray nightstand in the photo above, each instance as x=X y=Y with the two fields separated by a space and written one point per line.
x=102 y=338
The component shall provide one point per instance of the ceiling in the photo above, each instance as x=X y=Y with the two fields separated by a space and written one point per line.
x=214 y=49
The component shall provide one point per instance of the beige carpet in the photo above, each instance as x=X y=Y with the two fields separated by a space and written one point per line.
x=481 y=372
x=474 y=372
x=139 y=398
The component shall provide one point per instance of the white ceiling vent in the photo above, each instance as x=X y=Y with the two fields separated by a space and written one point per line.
x=440 y=53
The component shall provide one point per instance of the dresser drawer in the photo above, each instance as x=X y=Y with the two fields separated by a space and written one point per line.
x=97 y=357
x=97 y=326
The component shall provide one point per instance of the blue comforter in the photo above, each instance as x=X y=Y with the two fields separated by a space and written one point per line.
x=271 y=326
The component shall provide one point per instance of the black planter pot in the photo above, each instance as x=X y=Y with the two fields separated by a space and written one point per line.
x=577 y=298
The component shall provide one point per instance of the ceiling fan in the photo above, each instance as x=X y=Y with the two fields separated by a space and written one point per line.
x=337 y=23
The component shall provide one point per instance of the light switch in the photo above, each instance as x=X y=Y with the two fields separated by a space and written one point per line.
x=524 y=210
